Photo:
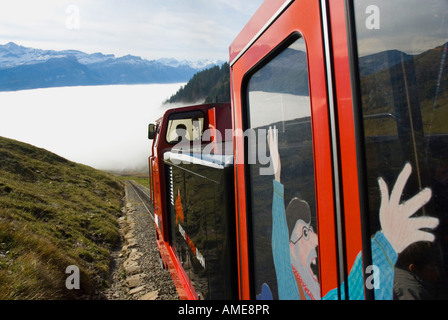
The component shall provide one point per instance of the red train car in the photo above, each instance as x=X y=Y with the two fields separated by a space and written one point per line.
x=340 y=173
x=191 y=183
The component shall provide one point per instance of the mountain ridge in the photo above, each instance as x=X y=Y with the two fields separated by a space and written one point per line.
x=29 y=68
x=209 y=85
x=32 y=55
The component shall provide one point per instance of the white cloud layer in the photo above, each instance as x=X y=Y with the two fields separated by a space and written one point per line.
x=101 y=126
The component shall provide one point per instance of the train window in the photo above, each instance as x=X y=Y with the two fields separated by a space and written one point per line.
x=185 y=127
x=402 y=61
x=282 y=193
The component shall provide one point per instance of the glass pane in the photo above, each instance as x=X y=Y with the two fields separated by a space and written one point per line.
x=199 y=226
x=185 y=127
x=402 y=48
x=283 y=213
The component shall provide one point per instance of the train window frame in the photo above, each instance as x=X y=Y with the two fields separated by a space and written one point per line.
x=246 y=113
x=187 y=115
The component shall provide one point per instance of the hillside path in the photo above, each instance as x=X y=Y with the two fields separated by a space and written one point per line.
x=136 y=271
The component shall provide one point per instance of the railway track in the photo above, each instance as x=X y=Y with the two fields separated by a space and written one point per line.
x=143 y=196
x=138 y=258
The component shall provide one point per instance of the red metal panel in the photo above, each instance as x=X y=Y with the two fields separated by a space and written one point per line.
x=347 y=142
x=212 y=127
x=183 y=285
x=258 y=20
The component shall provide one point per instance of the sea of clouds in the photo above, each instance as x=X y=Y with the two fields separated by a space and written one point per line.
x=101 y=126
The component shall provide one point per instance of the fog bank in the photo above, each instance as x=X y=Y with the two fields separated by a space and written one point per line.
x=101 y=126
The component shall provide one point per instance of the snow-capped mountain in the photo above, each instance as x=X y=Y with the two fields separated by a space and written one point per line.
x=12 y=55
x=26 y=68
x=199 y=64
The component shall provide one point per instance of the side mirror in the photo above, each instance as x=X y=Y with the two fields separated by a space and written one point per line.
x=151 y=131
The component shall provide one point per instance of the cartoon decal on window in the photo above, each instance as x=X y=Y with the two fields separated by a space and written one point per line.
x=294 y=242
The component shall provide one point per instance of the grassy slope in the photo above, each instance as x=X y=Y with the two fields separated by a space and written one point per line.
x=139 y=177
x=53 y=213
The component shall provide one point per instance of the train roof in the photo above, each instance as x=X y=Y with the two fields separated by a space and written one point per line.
x=260 y=21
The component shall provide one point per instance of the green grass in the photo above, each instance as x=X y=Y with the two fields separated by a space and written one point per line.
x=140 y=178
x=54 y=213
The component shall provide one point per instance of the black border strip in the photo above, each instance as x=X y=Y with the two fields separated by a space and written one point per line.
x=360 y=141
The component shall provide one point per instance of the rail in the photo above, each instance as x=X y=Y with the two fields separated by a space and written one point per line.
x=143 y=196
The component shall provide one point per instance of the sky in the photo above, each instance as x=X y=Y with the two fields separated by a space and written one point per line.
x=411 y=26
x=152 y=29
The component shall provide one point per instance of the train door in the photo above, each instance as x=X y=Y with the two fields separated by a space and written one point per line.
x=398 y=103
x=341 y=170
x=285 y=182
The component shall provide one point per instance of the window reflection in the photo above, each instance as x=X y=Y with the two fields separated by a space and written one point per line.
x=283 y=202
x=403 y=72
x=185 y=127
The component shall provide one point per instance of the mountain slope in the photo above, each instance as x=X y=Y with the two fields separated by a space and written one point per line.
x=53 y=213
x=55 y=72
x=28 y=68
x=210 y=85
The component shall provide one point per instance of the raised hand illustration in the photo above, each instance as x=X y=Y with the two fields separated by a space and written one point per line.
x=273 y=148
x=397 y=223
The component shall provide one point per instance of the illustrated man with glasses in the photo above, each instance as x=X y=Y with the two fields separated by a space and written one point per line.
x=296 y=268
x=302 y=247
x=294 y=242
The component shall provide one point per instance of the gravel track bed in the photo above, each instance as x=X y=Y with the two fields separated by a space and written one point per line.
x=136 y=272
